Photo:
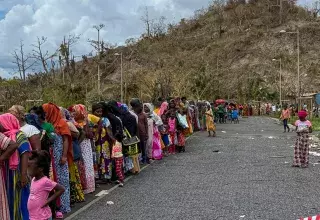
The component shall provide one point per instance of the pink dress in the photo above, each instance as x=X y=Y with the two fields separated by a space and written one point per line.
x=156 y=147
x=39 y=193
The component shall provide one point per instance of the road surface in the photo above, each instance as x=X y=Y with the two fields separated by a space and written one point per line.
x=249 y=178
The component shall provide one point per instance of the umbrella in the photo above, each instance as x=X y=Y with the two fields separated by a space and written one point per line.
x=220 y=101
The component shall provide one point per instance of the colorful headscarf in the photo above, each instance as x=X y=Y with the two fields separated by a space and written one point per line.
x=80 y=114
x=302 y=114
x=163 y=108
x=70 y=121
x=11 y=124
x=53 y=116
x=124 y=108
x=33 y=119
x=66 y=115
x=18 y=111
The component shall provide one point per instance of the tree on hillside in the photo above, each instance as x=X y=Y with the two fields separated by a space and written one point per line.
x=23 y=61
x=65 y=54
x=41 y=56
x=147 y=21
x=154 y=27
x=217 y=8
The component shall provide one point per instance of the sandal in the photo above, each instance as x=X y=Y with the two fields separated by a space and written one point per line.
x=59 y=215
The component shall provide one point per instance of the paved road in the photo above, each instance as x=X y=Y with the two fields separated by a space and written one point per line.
x=250 y=178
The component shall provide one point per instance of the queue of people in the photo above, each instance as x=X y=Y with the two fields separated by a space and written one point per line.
x=51 y=157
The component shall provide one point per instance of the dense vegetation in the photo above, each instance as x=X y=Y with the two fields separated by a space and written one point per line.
x=223 y=51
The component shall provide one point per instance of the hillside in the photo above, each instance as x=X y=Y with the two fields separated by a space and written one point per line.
x=224 y=51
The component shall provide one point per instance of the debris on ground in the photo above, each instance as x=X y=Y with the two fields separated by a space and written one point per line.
x=102 y=192
x=316 y=154
x=215 y=151
x=223 y=131
x=110 y=203
x=278 y=156
x=315 y=142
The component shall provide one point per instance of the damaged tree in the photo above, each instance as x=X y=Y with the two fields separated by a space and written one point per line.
x=22 y=61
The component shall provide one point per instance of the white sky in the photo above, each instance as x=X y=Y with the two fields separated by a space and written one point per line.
x=27 y=19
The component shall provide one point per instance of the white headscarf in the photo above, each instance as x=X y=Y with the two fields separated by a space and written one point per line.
x=157 y=120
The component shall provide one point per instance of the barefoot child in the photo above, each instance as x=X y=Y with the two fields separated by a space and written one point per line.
x=41 y=186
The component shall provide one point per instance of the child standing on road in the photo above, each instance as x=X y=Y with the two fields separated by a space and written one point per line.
x=235 y=116
x=41 y=186
x=285 y=116
x=118 y=159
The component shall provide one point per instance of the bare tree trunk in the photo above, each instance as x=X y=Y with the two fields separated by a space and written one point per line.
x=22 y=61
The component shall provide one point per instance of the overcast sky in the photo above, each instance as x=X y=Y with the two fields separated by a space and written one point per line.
x=27 y=19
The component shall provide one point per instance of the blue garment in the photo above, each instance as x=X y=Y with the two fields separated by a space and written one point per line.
x=235 y=114
x=165 y=139
x=62 y=174
x=33 y=119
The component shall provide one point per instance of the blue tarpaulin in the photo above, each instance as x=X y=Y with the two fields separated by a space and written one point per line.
x=318 y=99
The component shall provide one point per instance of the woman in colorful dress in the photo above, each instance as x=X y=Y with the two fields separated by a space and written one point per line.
x=62 y=153
x=301 y=149
x=7 y=148
x=17 y=184
x=76 y=192
x=80 y=115
x=153 y=142
x=103 y=143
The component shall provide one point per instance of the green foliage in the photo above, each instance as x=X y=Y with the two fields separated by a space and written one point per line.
x=224 y=51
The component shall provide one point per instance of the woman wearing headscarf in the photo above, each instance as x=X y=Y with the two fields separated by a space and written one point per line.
x=163 y=108
x=116 y=124
x=17 y=184
x=80 y=115
x=154 y=123
x=76 y=192
x=301 y=149
x=62 y=153
x=47 y=128
x=130 y=127
x=31 y=132
x=103 y=143
x=7 y=148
